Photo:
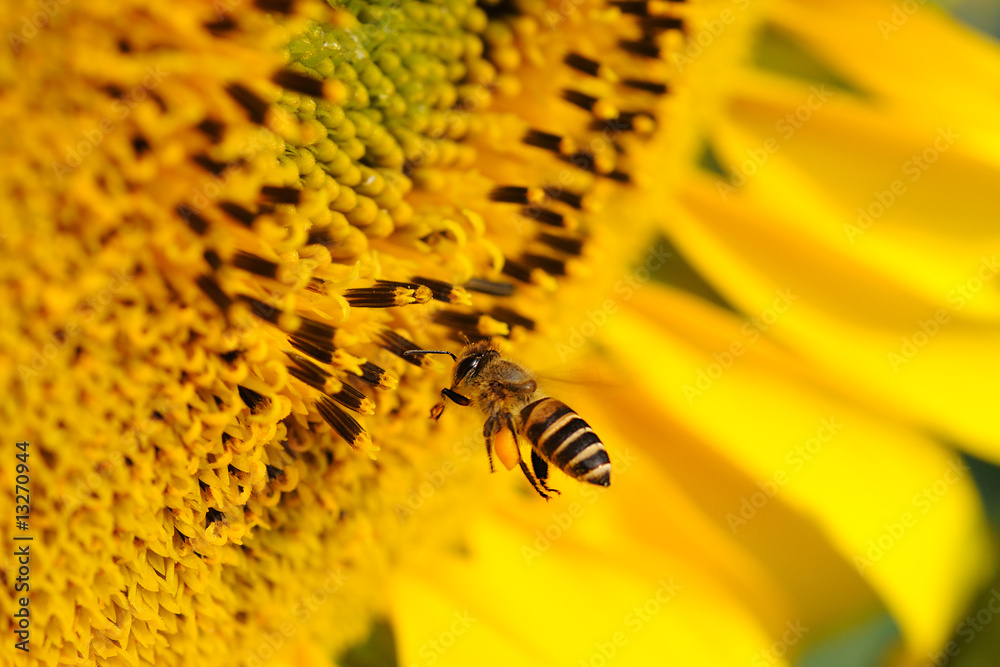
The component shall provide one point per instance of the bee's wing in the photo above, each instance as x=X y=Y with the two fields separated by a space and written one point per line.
x=560 y=379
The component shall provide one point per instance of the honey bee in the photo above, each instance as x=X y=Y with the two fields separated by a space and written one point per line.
x=509 y=396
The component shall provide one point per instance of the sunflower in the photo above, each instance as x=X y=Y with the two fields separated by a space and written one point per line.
x=228 y=226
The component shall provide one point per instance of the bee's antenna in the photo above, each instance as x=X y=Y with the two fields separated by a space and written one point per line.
x=451 y=354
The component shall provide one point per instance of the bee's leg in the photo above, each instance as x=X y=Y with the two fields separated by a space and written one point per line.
x=540 y=488
x=541 y=469
x=455 y=396
x=448 y=393
x=490 y=429
x=538 y=483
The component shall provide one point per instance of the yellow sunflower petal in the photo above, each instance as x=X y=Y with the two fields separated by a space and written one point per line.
x=889 y=56
x=567 y=608
x=900 y=508
x=902 y=305
x=781 y=549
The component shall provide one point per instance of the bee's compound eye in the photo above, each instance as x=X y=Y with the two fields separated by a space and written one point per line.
x=506 y=448
x=465 y=368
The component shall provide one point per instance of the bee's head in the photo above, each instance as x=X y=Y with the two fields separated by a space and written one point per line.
x=473 y=360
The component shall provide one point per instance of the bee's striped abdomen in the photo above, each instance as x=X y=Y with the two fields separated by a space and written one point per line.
x=563 y=439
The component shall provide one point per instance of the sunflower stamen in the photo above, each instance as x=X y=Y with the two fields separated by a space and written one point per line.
x=278 y=6
x=214 y=292
x=317 y=285
x=254 y=264
x=231 y=356
x=212 y=129
x=320 y=351
x=352 y=399
x=645 y=48
x=526 y=274
x=221 y=26
x=321 y=236
x=268 y=313
x=601 y=109
x=213 y=259
x=480 y=324
x=516 y=194
x=600 y=165
x=512 y=318
x=627 y=121
x=377 y=376
x=194 y=220
x=210 y=165
x=140 y=145
x=490 y=287
x=312 y=375
x=591 y=67
x=496 y=9
x=252 y=399
x=644 y=7
x=568 y=197
x=332 y=90
x=387 y=294
x=315 y=332
x=396 y=344
x=550 y=142
x=252 y=103
x=566 y=244
x=238 y=213
x=551 y=265
x=549 y=217
x=649 y=86
x=446 y=292
x=344 y=424
x=654 y=24
x=281 y=195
